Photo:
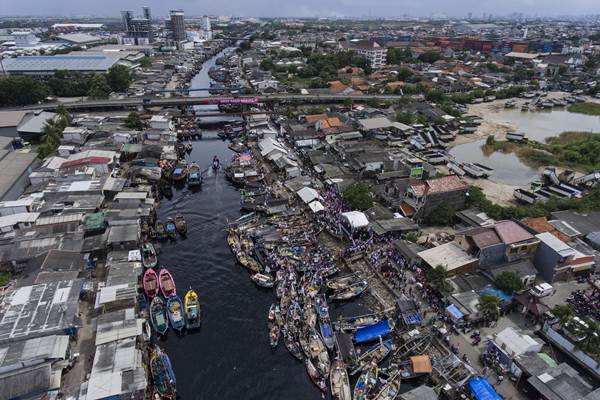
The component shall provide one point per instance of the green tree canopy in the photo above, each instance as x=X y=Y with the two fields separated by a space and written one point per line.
x=358 y=196
x=119 y=78
x=441 y=215
x=489 y=306
x=133 y=121
x=21 y=90
x=508 y=282
x=99 y=87
x=438 y=279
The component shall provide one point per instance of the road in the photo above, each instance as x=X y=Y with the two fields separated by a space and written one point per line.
x=133 y=102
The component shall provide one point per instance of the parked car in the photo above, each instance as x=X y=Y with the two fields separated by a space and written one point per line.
x=542 y=290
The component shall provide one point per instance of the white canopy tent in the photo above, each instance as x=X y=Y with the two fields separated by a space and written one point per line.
x=316 y=206
x=355 y=219
x=308 y=194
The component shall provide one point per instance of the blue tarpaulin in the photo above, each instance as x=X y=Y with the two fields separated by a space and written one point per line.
x=454 y=312
x=372 y=332
x=412 y=318
x=496 y=292
x=482 y=390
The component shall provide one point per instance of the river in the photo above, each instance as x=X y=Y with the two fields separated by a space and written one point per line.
x=229 y=356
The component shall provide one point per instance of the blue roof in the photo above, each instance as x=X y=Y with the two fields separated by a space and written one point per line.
x=482 y=390
x=372 y=332
x=496 y=292
x=455 y=312
x=412 y=318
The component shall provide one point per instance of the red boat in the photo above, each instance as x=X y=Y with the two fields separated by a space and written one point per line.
x=150 y=283
x=167 y=284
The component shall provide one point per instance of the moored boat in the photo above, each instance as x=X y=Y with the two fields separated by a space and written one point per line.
x=150 y=283
x=161 y=231
x=342 y=282
x=350 y=292
x=263 y=280
x=175 y=312
x=149 y=258
x=194 y=175
x=373 y=355
x=366 y=383
x=319 y=353
x=158 y=316
x=290 y=343
x=167 y=284
x=390 y=390
x=315 y=376
x=324 y=321
x=180 y=172
x=338 y=379
x=193 y=312
x=171 y=228
x=162 y=374
x=180 y=224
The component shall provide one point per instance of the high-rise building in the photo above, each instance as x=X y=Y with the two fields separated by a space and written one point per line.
x=206 y=23
x=138 y=30
x=176 y=25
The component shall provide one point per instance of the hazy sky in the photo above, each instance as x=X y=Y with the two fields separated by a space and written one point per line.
x=303 y=8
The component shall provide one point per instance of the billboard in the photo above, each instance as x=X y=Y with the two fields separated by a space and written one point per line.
x=231 y=100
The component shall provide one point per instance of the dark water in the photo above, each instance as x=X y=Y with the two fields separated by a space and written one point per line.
x=229 y=357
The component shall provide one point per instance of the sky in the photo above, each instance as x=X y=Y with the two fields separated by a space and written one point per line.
x=302 y=8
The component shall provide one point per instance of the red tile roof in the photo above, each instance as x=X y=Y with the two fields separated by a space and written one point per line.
x=85 y=161
x=445 y=184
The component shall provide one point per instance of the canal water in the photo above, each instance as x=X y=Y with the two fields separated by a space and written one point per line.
x=229 y=357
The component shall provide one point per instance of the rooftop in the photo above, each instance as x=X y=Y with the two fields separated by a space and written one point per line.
x=84 y=63
x=510 y=232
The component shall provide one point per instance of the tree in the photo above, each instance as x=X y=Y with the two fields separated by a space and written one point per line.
x=64 y=118
x=508 y=282
x=590 y=331
x=405 y=117
x=133 y=121
x=441 y=215
x=146 y=62
x=438 y=279
x=429 y=57
x=358 y=196
x=564 y=313
x=21 y=90
x=118 y=78
x=99 y=87
x=489 y=306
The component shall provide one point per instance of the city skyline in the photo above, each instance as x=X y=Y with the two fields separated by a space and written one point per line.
x=308 y=8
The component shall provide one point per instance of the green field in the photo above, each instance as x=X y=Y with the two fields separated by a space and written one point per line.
x=585 y=108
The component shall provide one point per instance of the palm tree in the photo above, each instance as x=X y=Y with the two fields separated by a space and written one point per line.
x=563 y=312
x=591 y=336
x=438 y=279
x=489 y=306
x=51 y=133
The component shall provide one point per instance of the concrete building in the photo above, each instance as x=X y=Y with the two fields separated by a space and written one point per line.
x=370 y=49
x=176 y=26
x=424 y=196
x=138 y=31
x=555 y=260
x=9 y=121
x=16 y=167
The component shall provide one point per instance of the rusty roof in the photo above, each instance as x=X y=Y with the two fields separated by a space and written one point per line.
x=510 y=232
x=444 y=184
x=541 y=225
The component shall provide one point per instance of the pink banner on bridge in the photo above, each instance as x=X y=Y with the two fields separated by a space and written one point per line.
x=232 y=100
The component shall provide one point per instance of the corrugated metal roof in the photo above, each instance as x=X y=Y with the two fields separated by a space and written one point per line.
x=58 y=62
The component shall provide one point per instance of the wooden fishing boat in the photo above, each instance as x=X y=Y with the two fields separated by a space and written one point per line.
x=290 y=343
x=353 y=323
x=150 y=283
x=248 y=262
x=180 y=172
x=373 y=355
x=314 y=286
x=233 y=240
x=391 y=389
x=278 y=316
x=319 y=353
x=162 y=374
x=216 y=164
x=343 y=282
x=328 y=271
x=189 y=147
x=193 y=312
x=340 y=384
x=158 y=316
x=180 y=149
x=263 y=280
x=175 y=312
x=366 y=383
x=309 y=316
x=324 y=321
x=350 y=292
x=180 y=224
x=167 y=284
x=161 y=231
x=171 y=228
x=315 y=376
x=194 y=175
x=149 y=258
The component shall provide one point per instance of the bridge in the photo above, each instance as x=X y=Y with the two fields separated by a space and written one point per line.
x=138 y=102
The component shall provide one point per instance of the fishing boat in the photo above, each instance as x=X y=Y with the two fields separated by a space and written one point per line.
x=248 y=262
x=167 y=284
x=366 y=383
x=162 y=374
x=194 y=175
x=273 y=325
x=375 y=354
x=216 y=164
x=315 y=375
x=324 y=321
x=263 y=280
x=161 y=231
x=180 y=224
x=193 y=312
x=343 y=282
x=171 y=228
x=353 y=323
x=175 y=312
x=158 y=316
x=290 y=343
x=318 y=353
x=150 y=283
x=180 y=172
x=309 y=316
x=189 y=147
x=373 y=332
x=391 y=389
x=350 y=292
x=340 y=384
x=149 y=258
x=180 y=149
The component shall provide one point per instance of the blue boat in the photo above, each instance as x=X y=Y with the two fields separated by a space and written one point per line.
x=162 y=374
x=372 y=332
x=171 y=228
x=175 y=312
x=324 y=321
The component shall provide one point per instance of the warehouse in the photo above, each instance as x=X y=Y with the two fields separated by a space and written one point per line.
x=48 y=65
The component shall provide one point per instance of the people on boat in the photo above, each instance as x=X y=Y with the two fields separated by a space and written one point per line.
x=216 y=164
